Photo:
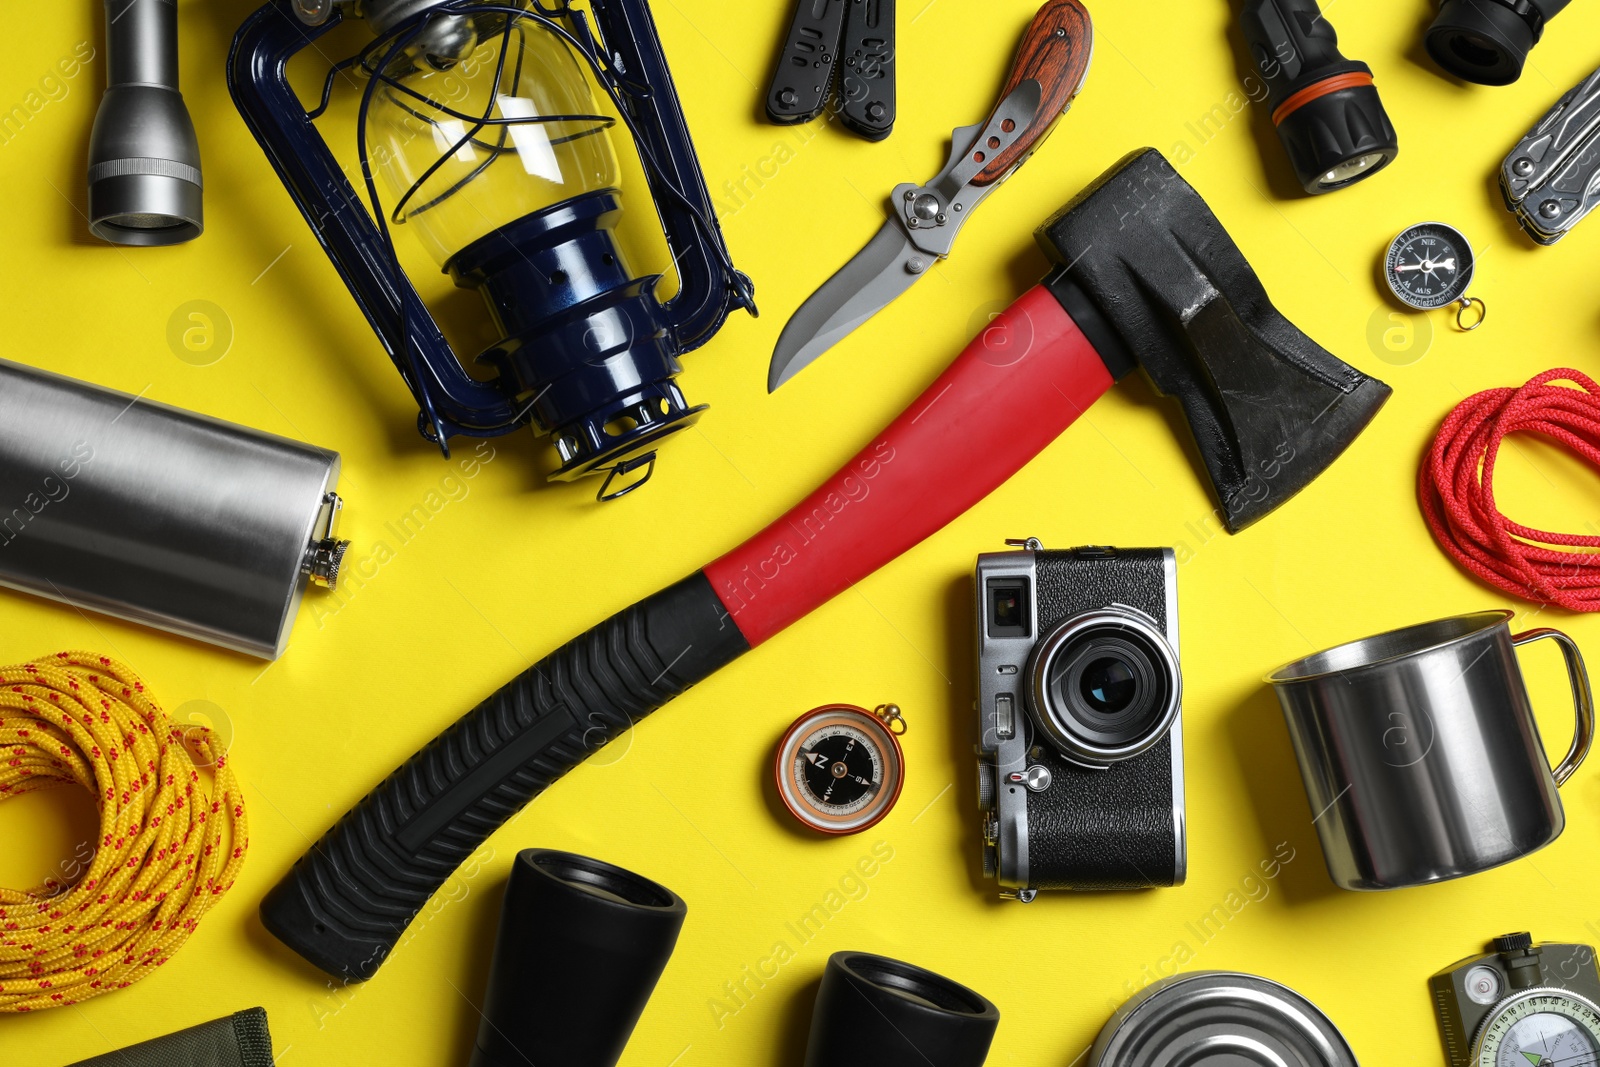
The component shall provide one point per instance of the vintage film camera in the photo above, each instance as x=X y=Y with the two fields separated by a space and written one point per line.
x=1080 y=761
x=1520 y=1004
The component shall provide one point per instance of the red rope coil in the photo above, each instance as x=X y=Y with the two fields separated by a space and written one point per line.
x=1456 y=489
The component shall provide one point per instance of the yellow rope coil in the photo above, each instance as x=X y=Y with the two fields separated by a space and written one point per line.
x=160 y=863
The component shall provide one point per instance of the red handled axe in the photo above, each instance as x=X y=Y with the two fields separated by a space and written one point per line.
x=1146 y=277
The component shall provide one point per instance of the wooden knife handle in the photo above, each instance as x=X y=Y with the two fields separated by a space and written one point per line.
x=1055 y=52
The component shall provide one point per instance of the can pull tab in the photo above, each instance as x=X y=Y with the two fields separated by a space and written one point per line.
x=325 y=554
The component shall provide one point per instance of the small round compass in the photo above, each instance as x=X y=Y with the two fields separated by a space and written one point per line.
x=839 y=767
x=1430 y=266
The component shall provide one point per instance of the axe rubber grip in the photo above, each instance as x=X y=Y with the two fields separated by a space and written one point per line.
x=348 y=900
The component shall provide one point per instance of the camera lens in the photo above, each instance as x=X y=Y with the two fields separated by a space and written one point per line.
x=1106 y=688
x=1108 y=685
x=1105 y=685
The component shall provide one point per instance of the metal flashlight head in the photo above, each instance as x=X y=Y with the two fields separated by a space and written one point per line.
x=144 y=161
x=1487 y=41
x=1326 y=110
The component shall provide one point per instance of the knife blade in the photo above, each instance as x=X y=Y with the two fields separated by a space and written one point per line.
x=1051 y=65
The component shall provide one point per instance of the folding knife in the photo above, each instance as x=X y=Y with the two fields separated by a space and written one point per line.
x=1551 y=180
x=1051 y=65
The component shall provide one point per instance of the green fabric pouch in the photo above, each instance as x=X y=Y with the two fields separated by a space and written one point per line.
x=240 y=1040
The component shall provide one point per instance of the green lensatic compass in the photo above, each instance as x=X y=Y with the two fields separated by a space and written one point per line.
x=1541 y=1028
x=1524 y=1005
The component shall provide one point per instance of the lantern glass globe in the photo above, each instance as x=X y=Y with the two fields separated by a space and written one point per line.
x=459 y=185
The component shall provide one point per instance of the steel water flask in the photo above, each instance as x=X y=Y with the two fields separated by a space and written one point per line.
x=157 y=515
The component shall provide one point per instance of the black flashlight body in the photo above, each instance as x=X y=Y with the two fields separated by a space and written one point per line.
x=1487 y=41
x=1325 y=107
x=580 y=947
x=144 y=159
x=888 y=1013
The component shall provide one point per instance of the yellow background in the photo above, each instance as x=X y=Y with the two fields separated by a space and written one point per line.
x=503 y=574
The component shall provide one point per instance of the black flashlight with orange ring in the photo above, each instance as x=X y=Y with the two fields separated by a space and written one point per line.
x=1325 y=107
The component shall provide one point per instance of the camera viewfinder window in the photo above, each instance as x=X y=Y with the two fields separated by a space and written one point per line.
x=1009 y=614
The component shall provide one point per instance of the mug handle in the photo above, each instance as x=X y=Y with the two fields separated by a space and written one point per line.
x=1582 y=697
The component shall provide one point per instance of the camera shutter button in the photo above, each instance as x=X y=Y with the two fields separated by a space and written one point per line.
x=1035 y=778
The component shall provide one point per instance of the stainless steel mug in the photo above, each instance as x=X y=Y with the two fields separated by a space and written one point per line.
x=1420 y=753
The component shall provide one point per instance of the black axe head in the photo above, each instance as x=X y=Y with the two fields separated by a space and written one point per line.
x=1270 y=409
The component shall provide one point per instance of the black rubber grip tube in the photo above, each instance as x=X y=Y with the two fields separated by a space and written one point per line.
x=348 y=900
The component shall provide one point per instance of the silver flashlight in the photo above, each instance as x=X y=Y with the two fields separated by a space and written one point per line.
x=144 y=161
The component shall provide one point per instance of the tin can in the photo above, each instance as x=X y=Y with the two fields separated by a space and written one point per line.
x=1220 y=1019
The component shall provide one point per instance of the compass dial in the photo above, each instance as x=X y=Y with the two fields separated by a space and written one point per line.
x=839 y=769
x=1540 y=1028
x=1429 y=265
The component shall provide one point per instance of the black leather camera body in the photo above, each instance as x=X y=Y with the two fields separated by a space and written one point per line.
x=1080 y=757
